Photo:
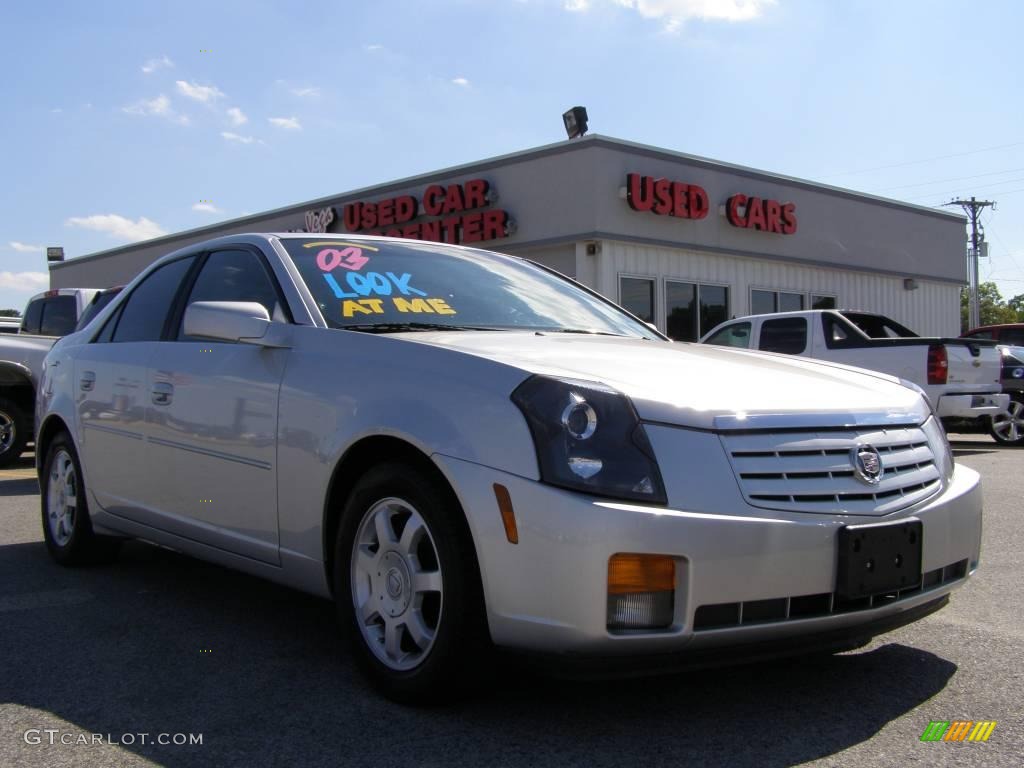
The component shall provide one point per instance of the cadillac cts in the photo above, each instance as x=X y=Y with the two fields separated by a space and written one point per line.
x=466 y=450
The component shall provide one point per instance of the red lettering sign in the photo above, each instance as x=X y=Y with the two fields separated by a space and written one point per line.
x=664 y=197
x=763 y=215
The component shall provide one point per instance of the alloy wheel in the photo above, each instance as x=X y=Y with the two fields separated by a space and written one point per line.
x=397 y=589
x=62 y=497
x=1009 y=426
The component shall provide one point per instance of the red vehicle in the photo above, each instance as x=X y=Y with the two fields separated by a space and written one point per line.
x=1008 y=333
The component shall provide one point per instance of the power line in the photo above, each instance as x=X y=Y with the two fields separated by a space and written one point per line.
x=926 y=160
x=942 y=181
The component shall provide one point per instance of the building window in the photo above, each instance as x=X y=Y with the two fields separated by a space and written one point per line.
x=636 y=295
x=681 y=310
x=764 y=302
x=691 y=310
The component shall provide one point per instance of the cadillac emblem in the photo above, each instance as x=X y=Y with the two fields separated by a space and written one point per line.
x=867 y=464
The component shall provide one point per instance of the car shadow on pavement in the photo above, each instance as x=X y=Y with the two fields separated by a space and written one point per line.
x=160 y=643
x=19 y=486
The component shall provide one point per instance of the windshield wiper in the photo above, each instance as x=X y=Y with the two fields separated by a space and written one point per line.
x=588 y=332
x=403 y=327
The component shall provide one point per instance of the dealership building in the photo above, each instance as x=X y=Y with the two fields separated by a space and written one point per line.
x=682 y=241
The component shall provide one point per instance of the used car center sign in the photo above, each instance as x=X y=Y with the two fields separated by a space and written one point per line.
x=453 y=213
x=663 y=197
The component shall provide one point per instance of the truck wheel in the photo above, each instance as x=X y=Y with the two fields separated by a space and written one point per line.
x=14 y=431
x=67 y=528
x=407 y=587
x=1008 y=428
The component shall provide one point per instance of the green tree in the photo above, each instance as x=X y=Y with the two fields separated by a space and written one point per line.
x=993 y=309
x=1017 y=305
x=9 y=313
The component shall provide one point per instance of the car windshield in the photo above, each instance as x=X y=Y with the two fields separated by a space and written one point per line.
x=99 y=302
x=387 y=287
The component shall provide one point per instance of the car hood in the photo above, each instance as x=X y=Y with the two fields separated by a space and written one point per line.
x=698 y=385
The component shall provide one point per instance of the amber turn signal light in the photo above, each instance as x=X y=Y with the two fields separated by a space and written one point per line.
x=508 y=515
x=640 y=573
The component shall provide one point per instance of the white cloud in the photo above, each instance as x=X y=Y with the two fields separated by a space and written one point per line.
x=289 y=123
x=203 y=93
x=231 y=136
x=119 y=227
x=25 y=247
x=237 y=116
x=206 y=208
x=154 y=64
x=56 y=110
x=310 y=91
x=373 y=47
x=673 y=13
x=461 y=81
x=24 y=281
x=160 y=107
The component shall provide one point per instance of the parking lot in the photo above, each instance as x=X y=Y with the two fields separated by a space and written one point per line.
x=162 y=644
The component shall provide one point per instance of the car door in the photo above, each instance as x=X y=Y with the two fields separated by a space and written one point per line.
x=212 y=419
x=111 y=392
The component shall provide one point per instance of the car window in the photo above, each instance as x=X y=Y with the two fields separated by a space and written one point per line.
x=99 y=301
x=785 y=334
x=979 y=335
x=735 y=335
x=144 y=313
x=236 y=276
x=382 y=286
x=33 y=315
x=58 y=316
x=1013 y=336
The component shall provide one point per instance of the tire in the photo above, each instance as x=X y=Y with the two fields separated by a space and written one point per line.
x=412 y=606
x=1008 y=429
x=15 y=429
x=67 y=528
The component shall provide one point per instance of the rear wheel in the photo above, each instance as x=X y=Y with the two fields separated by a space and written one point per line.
x=1008 y=428
x=67 y=528
x=407 y=587
x=14 y=431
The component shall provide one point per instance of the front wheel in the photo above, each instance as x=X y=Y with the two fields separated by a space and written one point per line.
x=67 y=528
x=407 y=586
x=1008 y=428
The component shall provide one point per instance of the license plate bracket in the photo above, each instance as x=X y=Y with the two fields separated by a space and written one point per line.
x=878 y=558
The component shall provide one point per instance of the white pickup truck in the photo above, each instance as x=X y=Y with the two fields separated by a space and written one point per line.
x=959 y=376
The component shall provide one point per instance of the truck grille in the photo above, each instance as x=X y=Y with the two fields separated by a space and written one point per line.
x=813 y=470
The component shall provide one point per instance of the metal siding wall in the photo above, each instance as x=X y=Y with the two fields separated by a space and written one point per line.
x=932 y=309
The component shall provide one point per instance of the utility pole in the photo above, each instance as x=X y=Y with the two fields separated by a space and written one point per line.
x=973 y=209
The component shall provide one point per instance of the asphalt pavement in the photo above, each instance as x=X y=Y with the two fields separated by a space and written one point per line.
x=173 y=648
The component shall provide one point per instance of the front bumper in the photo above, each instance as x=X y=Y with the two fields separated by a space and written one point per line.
x=971 y=406
x=548 y=593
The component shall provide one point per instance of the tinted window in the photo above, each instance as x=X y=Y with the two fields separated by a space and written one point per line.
x=714 y=306
x=681 y=310
x=762 y=302
x=99 y=301
x=1014 y=336
x=236 y=276
x=823 y=302
x=58 y=316
x=787 y=335
x=144 y=314
x=735 y=335
x=637 y=296
x=791 y=302
x=33 y=315
x=979 y=335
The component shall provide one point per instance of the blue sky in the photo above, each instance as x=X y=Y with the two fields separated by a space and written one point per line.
x=122 y=118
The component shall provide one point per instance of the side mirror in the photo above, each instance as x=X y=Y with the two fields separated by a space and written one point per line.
x=235 y=321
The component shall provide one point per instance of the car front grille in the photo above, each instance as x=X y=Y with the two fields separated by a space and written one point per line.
x=782 y=609
x=813 y=470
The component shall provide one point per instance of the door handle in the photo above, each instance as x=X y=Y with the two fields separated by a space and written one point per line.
x=87 y=381
x=163 y=393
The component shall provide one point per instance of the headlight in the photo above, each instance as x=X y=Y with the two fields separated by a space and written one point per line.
x=589 y=438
